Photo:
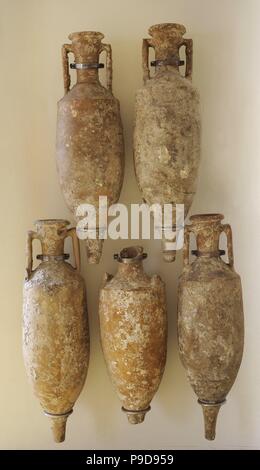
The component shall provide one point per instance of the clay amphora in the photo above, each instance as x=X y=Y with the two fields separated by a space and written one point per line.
x=55 y=324
x=210 y=316
x=133 y=323
x=167 y=125
x=90 y=147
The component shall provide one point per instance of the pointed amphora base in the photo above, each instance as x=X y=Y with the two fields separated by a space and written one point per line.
x=58 y=425
x=169 y=256
x=136 y=417
x=94 y=250
x=93 y=238
x=169 y=244
x=210 y=414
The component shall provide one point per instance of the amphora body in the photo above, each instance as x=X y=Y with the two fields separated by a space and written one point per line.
x=133 y=323
x=210 y=316
x=55 y=324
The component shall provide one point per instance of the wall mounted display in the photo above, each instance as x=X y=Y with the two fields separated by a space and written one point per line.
x=210 y=316
x=90 y=146
x=55 y=324
x=133 y=323
x=167 y=124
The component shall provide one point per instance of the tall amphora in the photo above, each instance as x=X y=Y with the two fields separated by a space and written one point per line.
x=55 y=324
x=90 y=146
x=167 y=127
x=210 y=316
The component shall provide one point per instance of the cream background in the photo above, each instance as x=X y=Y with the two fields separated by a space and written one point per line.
x=226 y=72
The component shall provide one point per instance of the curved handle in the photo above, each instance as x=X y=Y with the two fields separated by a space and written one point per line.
x=75 y=242
x=145 y=58
x=186 y=245
x=31 y=235
x=226 y=228
x=65 y=50
x=107 y=48
x=188 y=44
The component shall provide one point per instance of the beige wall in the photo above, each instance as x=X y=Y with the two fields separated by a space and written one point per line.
x=226 y=72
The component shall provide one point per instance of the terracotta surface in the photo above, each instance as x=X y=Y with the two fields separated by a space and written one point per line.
x=167 y=124
x=90 y=147
x=133 y=323
x=210 y=316
x=55 y=324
